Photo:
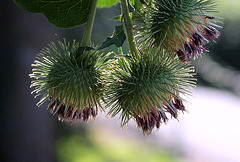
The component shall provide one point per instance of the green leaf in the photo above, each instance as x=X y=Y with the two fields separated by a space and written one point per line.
x=61 y=13
x=117 y=38
x=107 y=3
x=135 y=18
x=137 y=4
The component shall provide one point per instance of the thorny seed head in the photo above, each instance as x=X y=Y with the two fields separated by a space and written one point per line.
x=71 y=78
x=148 y=87
x=182 y=26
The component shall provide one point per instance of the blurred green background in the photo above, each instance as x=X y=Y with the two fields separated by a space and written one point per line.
x=32 y=134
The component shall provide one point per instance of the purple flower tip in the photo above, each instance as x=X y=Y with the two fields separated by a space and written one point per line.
x=72 y=114
x=157 y=116
x=198 y=40
x=210 y=17
x=178 y=104
x=211 y=33
x=154 y=119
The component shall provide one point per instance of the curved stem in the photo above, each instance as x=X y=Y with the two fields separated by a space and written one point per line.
x=128 y=26
x=88 y=29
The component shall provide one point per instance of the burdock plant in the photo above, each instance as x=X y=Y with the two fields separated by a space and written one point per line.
x=146 y=84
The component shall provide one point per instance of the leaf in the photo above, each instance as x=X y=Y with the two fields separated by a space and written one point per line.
x=117 y=38
x=137 y=4
x=134 y=10
x=134 y=16
x=61 y=13
x=107 y=3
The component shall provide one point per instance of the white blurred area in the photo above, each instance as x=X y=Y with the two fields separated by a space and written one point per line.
x=211 y=129
x=208 y=132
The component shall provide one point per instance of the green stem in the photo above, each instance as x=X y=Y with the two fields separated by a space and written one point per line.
x=88 y=30
x=120 y=51
x=129 y=27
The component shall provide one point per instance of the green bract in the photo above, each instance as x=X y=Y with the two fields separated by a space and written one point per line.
x=147 y=86
x=71 y=77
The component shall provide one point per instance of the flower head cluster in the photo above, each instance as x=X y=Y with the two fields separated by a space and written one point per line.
x=70 y=77
x=148 y=87
x=182 y=26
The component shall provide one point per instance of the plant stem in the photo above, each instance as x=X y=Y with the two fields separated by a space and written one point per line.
x=120 y=51
x=88 y=29
x=128 y=26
